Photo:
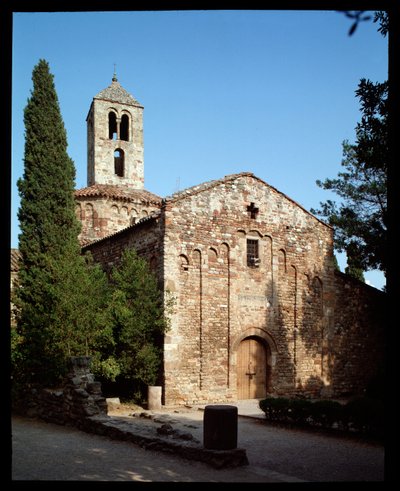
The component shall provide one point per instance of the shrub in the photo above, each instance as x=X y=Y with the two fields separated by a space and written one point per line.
x=299 y=411
x=361 y=414
x=325 y=413
x=275 y=408
x=366 y=415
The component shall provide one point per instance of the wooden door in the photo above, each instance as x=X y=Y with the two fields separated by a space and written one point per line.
x=251 y=370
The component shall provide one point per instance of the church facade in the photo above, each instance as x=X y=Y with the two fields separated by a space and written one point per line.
x=259 y=306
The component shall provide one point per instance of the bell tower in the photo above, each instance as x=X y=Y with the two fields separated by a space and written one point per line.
x=115 y=138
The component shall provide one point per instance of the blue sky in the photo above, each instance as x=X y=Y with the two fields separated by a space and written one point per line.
x=270 y=92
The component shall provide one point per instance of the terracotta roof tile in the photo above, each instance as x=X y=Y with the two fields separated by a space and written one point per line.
x=84 y=242
x=15 y=257
x=122 y=193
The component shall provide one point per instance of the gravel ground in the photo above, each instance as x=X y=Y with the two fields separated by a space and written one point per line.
x=43 y=451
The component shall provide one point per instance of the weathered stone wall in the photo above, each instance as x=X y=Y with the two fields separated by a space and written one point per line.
x=313 y=323
x=115 y=197
x=101 y=216
x=101 y=147
x=357 y=341
x=285 y=298
x=79 y=402
x=286 y=301
x=77 y=399
x=145 y=237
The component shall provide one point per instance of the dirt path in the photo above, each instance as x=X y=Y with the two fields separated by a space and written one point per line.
x=43 y=451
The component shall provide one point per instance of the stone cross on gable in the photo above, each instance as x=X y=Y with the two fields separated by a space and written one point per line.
x=253 y=210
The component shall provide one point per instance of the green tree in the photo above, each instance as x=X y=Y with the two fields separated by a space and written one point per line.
x=54 y=312
x=354 y=271
x=336 y=263
x=360 y=220
x=83 y=301
x=140 y=319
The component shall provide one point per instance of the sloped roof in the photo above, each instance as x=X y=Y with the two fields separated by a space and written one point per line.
x=84 y=242
x=152 y=216
x=116 y=93
x=122 y=193
x=15 y=256
x=199 y=188
x=232 y=177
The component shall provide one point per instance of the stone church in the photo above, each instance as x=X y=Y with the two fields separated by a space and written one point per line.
x=260 y=308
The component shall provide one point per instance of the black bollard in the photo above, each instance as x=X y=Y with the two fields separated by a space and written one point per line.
x=220 y=427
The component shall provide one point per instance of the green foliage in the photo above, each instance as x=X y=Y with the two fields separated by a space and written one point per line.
x=16 y=355
x=326 y=412
x=366 y=415
x=59 y=296
x=107 y=369
x=335 y=263
x=83 y=301
x=360 y=220
x=47 y=212
x=275 y=408
x=299 y=411
x=354 y=271
x=361 y=414
x=383 y=18
x=138 y=319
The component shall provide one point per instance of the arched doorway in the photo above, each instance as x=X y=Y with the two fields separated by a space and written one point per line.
x=252 y=368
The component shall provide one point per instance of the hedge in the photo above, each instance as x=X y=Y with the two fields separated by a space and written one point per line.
x=361 y=414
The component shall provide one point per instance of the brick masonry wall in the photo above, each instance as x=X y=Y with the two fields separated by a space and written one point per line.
x=101 y=217
x=222 y=300
x=357 y=341
x=145 y=237
x=101 y=148
x=316 y=325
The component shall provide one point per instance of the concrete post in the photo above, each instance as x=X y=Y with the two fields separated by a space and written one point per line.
x=154 y=397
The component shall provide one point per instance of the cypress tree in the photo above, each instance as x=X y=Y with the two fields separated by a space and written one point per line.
x=47 y=212
x=52 y=270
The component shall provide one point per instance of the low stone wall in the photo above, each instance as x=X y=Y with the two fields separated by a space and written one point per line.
x=118 y=429
x=79 y=402
x=78 y=398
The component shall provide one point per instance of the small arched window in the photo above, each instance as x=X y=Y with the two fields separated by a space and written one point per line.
x=89 y=215
x=134 y=215
x=317 y=288
x=183 y=263
x=253 y=258
x=79 y=212
x=282 y=261
x=124 y=128
x=119 y=162
x=112 y=126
